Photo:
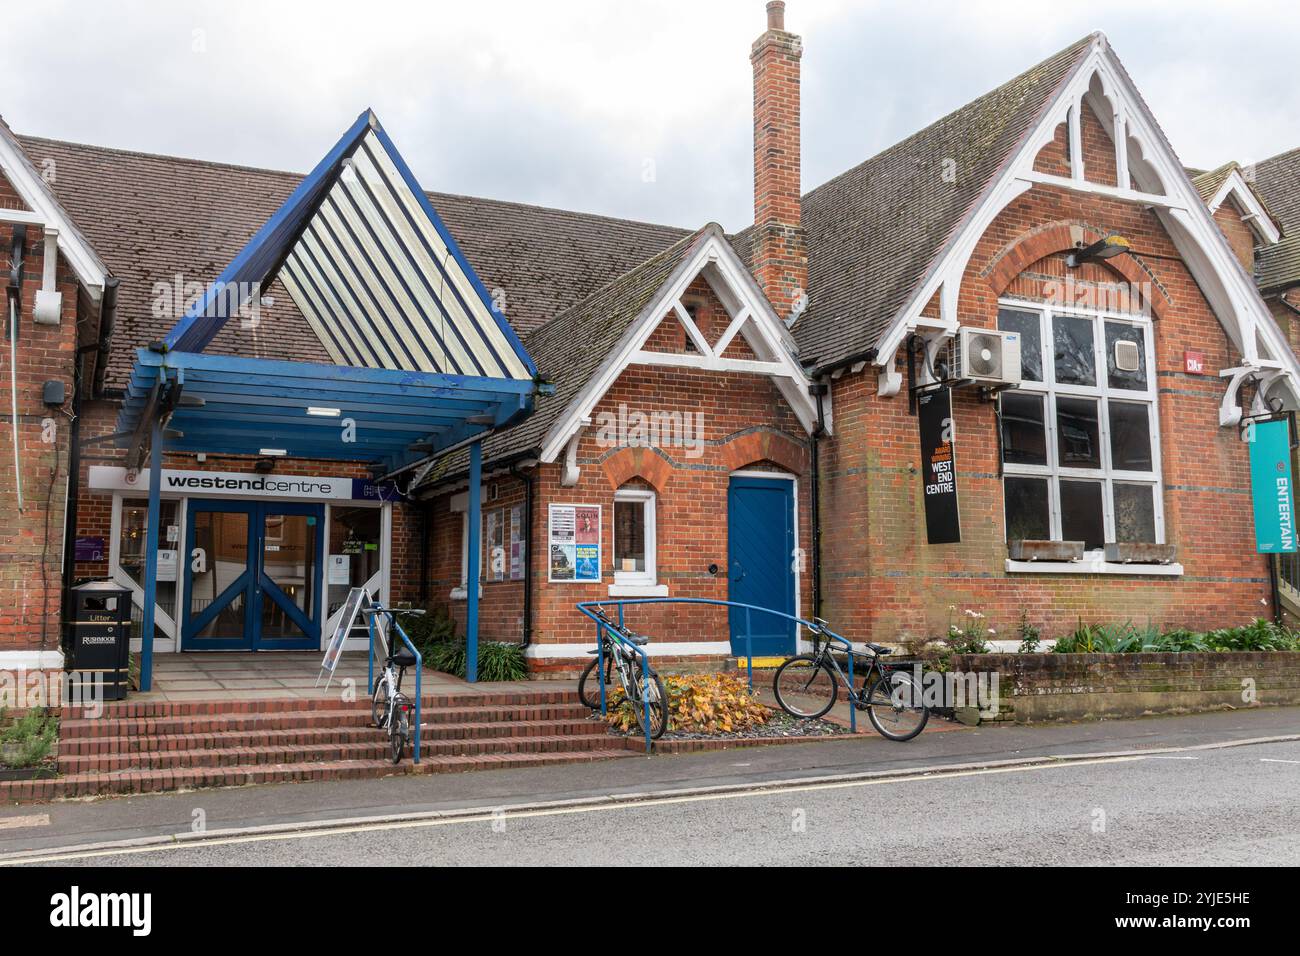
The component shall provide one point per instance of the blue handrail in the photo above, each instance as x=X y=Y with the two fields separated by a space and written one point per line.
x=419 y=668
x=600 y=665
x=813 y=626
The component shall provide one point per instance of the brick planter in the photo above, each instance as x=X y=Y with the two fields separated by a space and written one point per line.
x=1044 y=687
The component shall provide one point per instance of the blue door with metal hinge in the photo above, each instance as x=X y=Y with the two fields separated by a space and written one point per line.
x=253 y=575
x=761 y=562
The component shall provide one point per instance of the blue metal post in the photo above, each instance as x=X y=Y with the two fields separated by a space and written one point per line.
x=471 y=583
x=151 y=556
x=370 y=668
x=600 y=666
x=419 y=694
x=645 y=696
x=853 y=707
x=749 y=649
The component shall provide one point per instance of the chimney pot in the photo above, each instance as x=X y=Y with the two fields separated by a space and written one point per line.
x=776 y=15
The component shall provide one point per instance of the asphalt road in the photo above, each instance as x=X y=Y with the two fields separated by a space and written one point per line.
x=1234 y=806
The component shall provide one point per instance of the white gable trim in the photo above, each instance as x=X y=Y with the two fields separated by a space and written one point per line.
x=1162 y=183
x=47 y=212
x=1256 y=216
x=752 y=318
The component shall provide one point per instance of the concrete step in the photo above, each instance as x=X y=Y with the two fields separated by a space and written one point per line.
x=374 y=749
x=155 y=781
x=114 y=710
x=74 y=729
x=361 y=733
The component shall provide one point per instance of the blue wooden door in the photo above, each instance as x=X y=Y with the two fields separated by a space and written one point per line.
x=761 y=556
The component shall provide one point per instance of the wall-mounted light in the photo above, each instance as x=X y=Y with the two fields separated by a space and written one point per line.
x=272 y=452
x=321 y=412
x=1102 y=249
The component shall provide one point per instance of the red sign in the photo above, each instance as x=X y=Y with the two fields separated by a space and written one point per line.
x=1194 y=362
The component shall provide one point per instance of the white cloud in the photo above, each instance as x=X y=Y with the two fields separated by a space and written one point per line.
x=565 y=103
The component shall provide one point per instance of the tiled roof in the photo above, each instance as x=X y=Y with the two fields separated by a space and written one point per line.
x=1277 y=181
x=153 y=217
x=572 y=347
x=1208 y=183
x=874 y=232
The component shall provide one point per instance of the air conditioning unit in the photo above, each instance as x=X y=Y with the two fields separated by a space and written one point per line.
x=987 y=356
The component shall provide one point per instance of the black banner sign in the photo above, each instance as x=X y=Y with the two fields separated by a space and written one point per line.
x=938 y=466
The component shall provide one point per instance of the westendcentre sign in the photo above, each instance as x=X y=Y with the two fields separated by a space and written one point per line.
x=243 y=485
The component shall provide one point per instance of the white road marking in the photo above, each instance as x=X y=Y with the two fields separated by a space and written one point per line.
x=21 y=823
x=1271 y=760
x=506 y=813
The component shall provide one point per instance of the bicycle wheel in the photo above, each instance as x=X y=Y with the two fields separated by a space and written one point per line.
x=400 y=732
x=895 y=707
x=658 y=701
x=805 y=686
x=379 y=703
x=589 y=686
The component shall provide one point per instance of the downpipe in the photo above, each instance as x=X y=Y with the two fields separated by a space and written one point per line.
x=528 y=483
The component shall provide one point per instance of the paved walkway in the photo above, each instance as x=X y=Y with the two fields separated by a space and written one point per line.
x=294 y=674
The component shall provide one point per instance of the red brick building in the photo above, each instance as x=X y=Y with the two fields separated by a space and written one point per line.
x=733 y=414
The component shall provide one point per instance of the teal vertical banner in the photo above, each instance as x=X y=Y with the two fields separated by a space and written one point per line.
x=1271 y=487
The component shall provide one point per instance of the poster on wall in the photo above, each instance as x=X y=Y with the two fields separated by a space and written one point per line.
x=573 y=542
x=496 y=545
x=1271 y=489
x=516 y=544
x=938 y=466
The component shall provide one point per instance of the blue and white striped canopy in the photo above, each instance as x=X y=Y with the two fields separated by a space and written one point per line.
x=373 y=269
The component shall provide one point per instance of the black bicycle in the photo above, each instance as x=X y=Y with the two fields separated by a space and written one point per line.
x=624 y=666
x=808 y=686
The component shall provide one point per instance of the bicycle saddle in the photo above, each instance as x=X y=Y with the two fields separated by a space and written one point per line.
x=403 y=657
x=638 y=639
x=880 y=649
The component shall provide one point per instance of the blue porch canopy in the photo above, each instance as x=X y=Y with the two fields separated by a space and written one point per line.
x=424 y=361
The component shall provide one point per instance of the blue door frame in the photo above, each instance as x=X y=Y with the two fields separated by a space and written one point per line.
x=253 y=584
x=760 y=562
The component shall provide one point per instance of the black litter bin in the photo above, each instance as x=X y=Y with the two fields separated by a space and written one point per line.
x=99 y=640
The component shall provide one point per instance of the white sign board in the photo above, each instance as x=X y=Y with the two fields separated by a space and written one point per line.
x=357 y=599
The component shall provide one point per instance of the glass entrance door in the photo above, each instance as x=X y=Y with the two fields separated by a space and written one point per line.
x=252 y=576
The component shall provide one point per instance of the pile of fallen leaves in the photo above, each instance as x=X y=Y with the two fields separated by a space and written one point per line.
x=698 y=704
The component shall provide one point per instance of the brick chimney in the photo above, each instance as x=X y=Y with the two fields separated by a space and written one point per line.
x=779 y=256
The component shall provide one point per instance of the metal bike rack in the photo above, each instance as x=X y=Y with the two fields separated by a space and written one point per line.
x=586 y=606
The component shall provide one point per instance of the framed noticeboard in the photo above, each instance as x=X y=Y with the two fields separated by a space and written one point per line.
x=573 y=537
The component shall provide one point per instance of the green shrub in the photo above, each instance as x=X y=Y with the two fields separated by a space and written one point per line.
x=497 y=660
x=1030 y=636
x=28 y=740
x=1126 y=638
x=432 y=627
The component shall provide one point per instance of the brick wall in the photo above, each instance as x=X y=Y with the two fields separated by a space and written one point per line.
x=883 y=581
x=745 y=423
x=1041 y=687
x=31 y=540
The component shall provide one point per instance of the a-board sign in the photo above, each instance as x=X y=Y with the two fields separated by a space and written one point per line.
x=357 y=600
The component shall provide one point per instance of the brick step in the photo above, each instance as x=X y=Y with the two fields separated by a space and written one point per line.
x=133 y=709
x=154 y=781
x=305 y=719
x=82 y=746
x=374 y=749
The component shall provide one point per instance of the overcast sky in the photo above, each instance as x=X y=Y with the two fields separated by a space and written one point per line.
x=636 y=109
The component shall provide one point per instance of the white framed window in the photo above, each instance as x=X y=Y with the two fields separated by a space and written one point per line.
x=1080 y=437
x=634 y=538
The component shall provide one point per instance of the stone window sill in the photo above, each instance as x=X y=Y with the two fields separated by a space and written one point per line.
x=638 y=590
x=1092 y=565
